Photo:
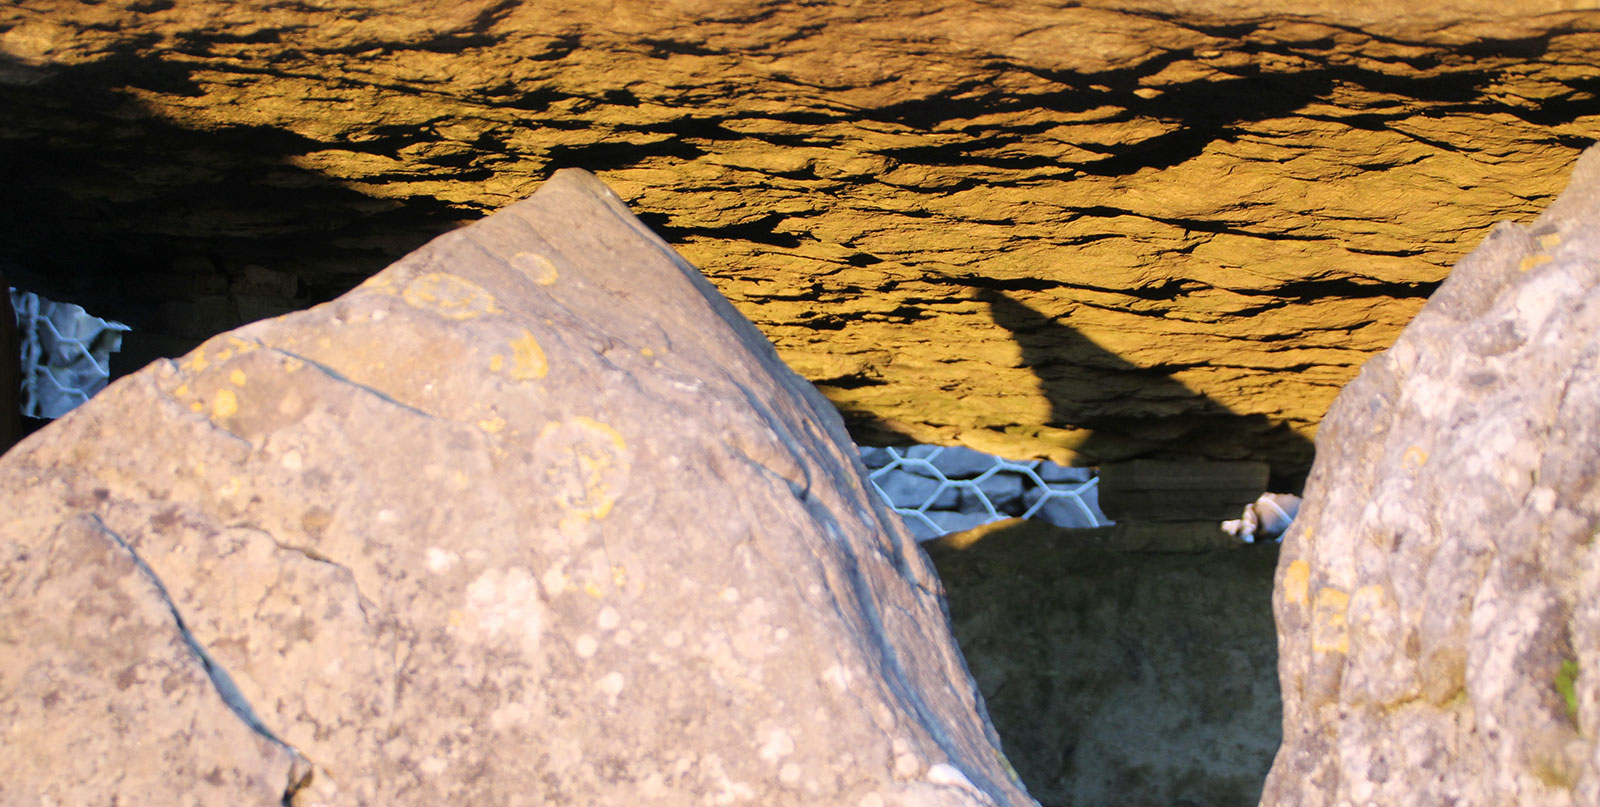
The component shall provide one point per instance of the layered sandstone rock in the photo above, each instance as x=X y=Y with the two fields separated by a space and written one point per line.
x=1438 y=597
x=531 y=517
x=1083 y=231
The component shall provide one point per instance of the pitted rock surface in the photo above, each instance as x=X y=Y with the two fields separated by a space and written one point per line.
x=531 y=517
x=1081 y=231
x=1436 y=597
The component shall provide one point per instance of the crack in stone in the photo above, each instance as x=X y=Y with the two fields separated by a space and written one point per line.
x=301 y=769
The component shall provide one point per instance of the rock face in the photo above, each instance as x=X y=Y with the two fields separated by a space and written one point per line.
x=1085 y=231
x=531 y=517
x=1436 y=597
x=1120 y=678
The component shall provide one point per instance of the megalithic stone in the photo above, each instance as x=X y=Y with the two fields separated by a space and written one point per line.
x=531 y=517
x=1438 y=596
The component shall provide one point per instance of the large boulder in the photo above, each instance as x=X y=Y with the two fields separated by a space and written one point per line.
x=1438 y=598
x=531 y=517
x=1086 y=230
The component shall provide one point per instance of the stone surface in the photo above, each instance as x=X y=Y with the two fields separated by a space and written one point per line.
x=1437 y=594
x=1119 y=678
x=446 y=539
x=1087 y=231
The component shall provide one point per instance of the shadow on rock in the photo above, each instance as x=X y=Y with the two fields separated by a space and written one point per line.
x=1135 y=679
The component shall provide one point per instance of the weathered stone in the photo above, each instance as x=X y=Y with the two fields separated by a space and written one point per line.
x=1438 y=597
x=1089 y=231
x=1119 y=678
x=531 y=517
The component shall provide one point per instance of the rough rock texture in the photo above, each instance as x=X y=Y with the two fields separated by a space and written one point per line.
x=1438 y=597
x=445 y=540
x=1086 y=231
x=1119 y=678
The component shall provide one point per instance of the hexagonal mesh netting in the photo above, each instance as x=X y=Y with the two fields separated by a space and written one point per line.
x=944 y=489
x=938 y=489
x=66 y=354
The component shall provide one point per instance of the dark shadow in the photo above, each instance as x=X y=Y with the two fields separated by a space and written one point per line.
x=1122 y=678
x=1137 y=411
x=1219 y=107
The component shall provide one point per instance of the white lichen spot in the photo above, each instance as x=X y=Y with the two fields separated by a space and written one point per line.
x=870 y=800
x=608 y=619
x=433 y=766
x=906 y=766
x=555 y=579
x=506 y=605
x=611 y=685
x=776 y=745
x=673 y=638
x=729 y=594
x=837 y=677
x=623 y=638
x=944 y=773
x=441 y=560
x=292 y=461
x=780 y=634
x=585 y=646
x=388 y=516
x=789 y=774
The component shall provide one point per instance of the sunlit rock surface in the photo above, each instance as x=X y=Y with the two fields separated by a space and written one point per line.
x=1080 y=231
x=445 y=540
x=1436 y=598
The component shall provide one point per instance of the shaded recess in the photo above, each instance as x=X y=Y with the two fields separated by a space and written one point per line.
x=1234 y=201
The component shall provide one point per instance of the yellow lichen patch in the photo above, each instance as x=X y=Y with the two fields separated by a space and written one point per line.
x=1296 y=580
x=1549 y=240
x=1414 y=458
x=619 y=576
x=449 y=296
x=588 y=467
x=236 y=378
x=496 y=362
x=1532 y=261
x=196 y=362
x=197 y=406
x=537 y=267
x=593 y=590
x=492 y=425
x=182 y=391
x=224 y=404
x=646 y=352
x=1330 y=632
x=527 y=358
x=232 y=488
